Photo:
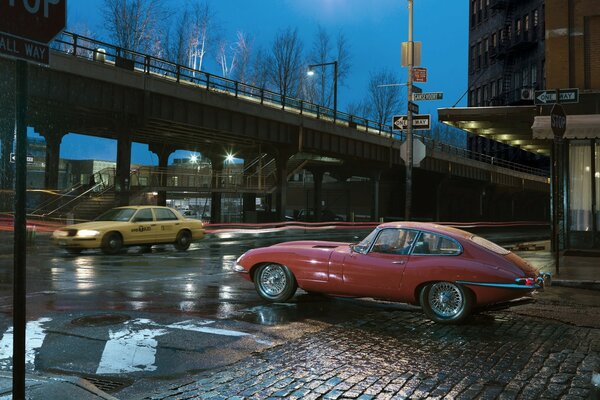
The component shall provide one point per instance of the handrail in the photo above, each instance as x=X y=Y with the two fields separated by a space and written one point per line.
x=83 y=47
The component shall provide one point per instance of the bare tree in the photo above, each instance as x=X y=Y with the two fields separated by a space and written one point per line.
x=234 y=59
x=284 y=67
x=202 y=33
x=133 y=24
x=384 y=101
x=320 y=88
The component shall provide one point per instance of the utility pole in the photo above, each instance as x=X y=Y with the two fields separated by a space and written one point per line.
x=409 y=127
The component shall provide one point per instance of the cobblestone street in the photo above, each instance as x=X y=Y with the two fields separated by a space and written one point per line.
x=400 y=354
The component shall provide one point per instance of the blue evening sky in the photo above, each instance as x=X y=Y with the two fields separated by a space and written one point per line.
x=375 y=30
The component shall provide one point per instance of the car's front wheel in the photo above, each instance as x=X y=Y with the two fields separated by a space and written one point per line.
x=183 y=240
x=112 y=243
x=446 y=302
x=275 y=282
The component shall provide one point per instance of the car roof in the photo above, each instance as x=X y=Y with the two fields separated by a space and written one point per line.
x=430 y=227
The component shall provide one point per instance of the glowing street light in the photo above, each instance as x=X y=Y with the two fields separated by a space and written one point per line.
x=311 y=72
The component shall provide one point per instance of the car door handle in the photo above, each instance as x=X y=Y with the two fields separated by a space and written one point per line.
x=399 y=262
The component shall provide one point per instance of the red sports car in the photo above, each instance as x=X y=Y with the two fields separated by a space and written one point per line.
x=447 y=271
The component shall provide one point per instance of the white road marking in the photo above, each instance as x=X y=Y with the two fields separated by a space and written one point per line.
x=129 y=351
x=34 y=339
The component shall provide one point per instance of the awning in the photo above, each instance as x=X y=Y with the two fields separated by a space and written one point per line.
x=586 y=126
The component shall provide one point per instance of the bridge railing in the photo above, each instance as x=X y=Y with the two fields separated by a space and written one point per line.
x=88 y=48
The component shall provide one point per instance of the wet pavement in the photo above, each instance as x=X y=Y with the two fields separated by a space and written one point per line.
x=165 y=325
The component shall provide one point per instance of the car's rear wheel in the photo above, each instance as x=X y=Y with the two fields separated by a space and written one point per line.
x=275 y=282
x=446 y=302
x=183 y=240
x=112 y=243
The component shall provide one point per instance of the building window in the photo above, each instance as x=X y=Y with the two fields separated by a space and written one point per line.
x=534 y=75
x=473 y=13
x=479 y=52
x=485 y=95
x=494 y=90
x=473 y=58
x=536 y=17
x=525 y=77
x=518 y=28
x=478 y=96
x=494 y=40
x=500 y=88
x=486 y=47
x=526 y=23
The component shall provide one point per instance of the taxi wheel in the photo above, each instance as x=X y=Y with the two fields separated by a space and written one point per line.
x=183 y=240
x=275 y=282
x=112 y=243
x=446 y=302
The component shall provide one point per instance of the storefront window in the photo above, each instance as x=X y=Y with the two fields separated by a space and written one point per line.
x=580 y=186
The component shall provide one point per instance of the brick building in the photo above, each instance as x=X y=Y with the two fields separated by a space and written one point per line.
x=515 y=48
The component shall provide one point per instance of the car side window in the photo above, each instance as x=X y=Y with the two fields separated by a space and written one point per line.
x=394 y=241
x=431 y=243
x=164 y=214
x=143 y=215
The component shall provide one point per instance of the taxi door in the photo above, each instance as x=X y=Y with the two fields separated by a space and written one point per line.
x=168 y=224
x=143 y=227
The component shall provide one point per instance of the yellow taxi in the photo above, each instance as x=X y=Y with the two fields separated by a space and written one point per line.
x=128 y=226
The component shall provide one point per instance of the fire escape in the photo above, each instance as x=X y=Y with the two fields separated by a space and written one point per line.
x=517 y=38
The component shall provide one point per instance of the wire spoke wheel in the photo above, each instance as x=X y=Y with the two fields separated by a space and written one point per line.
x=445 y=299
x=446 y=302
x=275 y=282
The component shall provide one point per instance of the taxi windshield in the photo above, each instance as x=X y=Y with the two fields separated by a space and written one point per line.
x=117 y=214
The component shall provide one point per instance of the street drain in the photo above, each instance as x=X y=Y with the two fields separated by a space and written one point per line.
x=108 y=385
x=101 y=320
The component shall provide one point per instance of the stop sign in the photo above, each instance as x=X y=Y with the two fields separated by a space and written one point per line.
x=558 y=120
x=37 y=20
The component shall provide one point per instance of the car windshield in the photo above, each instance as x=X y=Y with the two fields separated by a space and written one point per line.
x=364 y=244
x=117 y=214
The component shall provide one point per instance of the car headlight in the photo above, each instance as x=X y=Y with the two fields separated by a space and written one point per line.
x=59 y=233
x=87 y=233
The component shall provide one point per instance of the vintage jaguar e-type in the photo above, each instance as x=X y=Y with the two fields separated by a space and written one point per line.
x=447 y=271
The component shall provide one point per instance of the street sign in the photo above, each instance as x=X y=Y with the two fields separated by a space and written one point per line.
x=413 y=107
x=420 y=122
x=17 y=47
x=427 y=96
x=419 y=152
x=416 y=89
x=543 y=97
x=419 y=75
x=405 y=54
x=38 y=21
x=13 y=158
x=558 y=121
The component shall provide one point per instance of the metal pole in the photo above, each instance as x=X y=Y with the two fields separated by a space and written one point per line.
x=20 y=235
x=335 y=76
x=409 y=127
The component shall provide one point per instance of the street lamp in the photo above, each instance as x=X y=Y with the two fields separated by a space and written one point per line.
x=311 y=72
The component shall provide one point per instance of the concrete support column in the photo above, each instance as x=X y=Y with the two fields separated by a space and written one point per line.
x=248 y=203
x=375 y=178
x=122 y=183
x=163 y=152
x=318 y=191
x=216 y=196
x=53 y=139
x=281 y=160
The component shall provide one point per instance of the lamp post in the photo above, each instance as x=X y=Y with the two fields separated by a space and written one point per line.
x=409 y=127
x=311 y=72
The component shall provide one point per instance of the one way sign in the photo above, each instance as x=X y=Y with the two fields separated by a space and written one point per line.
x=13 y=158
x=543 y=97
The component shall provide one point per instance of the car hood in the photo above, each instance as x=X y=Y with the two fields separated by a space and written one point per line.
x=312 y=244
x=97 y=225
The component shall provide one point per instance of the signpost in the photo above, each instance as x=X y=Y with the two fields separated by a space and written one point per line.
x=419 y=122
x=427 y=96
x=558 y=123
x=26 y=28
x=547 y=97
